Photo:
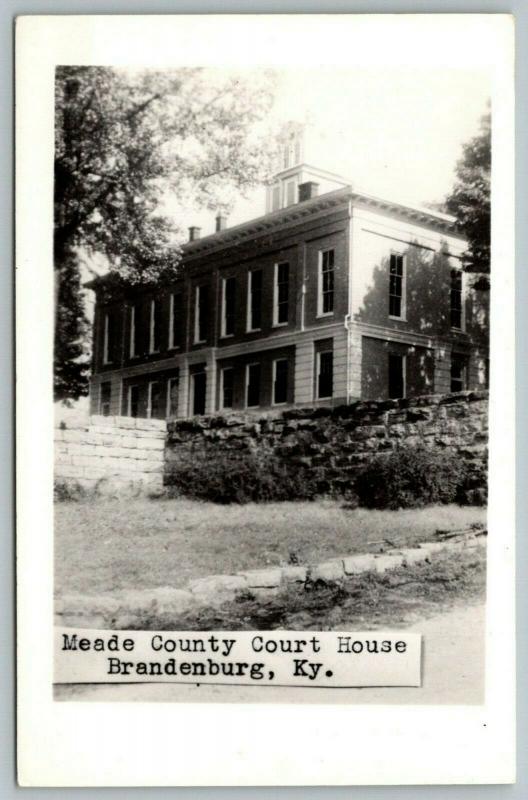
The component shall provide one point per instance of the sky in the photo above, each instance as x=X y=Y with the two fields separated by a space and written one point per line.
x=394 y=134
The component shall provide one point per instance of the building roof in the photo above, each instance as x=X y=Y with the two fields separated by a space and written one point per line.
x=298 y=211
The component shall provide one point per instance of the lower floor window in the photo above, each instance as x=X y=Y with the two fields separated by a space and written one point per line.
x=173 y=396
x=104 y=402
x=280 y=381
x=396 y=376
x=458 y=373
x=227 y=387
x=133 y=401
x=325 y=374
x=155 y=405
x=253 y=385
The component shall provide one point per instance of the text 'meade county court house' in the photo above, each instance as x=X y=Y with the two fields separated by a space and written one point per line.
x=331 y=296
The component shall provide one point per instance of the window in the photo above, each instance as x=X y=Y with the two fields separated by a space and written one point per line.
x=133 y=345
x=155 y=326
x=291 y=187
x=325 y=374
x=104 y=399
x=254 y=319
x=226 y=387
x=108 y=339
x=458 y=373
x=275 y=198
x=326 y=282
x=173 y=395
x=175 y=321
x=396 y=286
x=199 y=391
x=280 y=381
x=228 y=306
x=155 y=408
x=253 y=385
x=455 y=296
x=286 y=157
x=396 y=376
x=133 y=401
x=281 y=294
x=200 y=314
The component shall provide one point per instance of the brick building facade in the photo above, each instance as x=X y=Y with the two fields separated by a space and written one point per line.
x=329 y=298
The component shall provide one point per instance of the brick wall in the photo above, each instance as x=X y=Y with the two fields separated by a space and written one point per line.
x=110 y=454
x=333 y=443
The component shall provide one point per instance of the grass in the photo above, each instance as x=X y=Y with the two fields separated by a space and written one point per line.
x=108 y=545
x=394 y=599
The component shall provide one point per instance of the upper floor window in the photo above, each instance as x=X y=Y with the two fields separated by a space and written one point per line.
x=108 y=338
x=291 y=188
x=455 y=297
x=397 y=286
x=228 y=306
x=155 y=326
x=254 y=316
x=133 y=345
x=325 y=303
x=275 y=198
x=175 y=320
x=281 y=293
x=201 y=310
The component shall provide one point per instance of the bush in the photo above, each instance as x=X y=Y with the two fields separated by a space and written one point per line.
x=244 y=478
x=410 y=477
x=68 y=491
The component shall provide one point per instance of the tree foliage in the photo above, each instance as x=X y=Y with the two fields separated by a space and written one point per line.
x=124 y=141
x=470 y=200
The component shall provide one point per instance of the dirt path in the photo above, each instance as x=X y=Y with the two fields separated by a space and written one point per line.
x=453 y=673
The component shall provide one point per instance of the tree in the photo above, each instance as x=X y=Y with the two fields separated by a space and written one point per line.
x=125 y=140
x=470 y=199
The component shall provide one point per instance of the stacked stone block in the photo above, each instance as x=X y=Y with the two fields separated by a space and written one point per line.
x=109 y=454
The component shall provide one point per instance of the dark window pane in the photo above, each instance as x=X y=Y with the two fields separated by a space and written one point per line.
x=106 y=394
x=173 y=389
x=256 y=299
x=456 y=298
x=458 y=373
x=280 y=387
x=227 y=387
x=396 y=377
x=395 y=285
x=203 y=312
x=229 y=306
x=327 y=281
x=133 y=401
x=199 y=391
x=157 y=408
x=176 y=321
x=283 y=288
x=325 y=378
x=155 y=326
x=253 y=385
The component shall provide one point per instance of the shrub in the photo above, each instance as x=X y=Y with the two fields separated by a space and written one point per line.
x=244 y=478
x=411 y=477
x=68 y=491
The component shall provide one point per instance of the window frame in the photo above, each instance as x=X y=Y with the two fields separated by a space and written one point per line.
x=464 y=361
x=403 y=297
x=106 y=339
x=172 y=379
x=222 y=406
x=132 y=333
x=276 y=323
x=223 y=319
x=462 y=309
x=320 y=296
x=149 y=397
x=129 y=399
x=274 y=380
x=249 y=302
x=318 y=373
x=101 y=412
x=197 y=292
x=172 y=345
x=152 y=326
x=246 y=397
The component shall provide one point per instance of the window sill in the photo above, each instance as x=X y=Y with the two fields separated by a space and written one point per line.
x=227 y=336
x=253 y=330
x=199 y=341
x=398 y=319
x=327 y=397
x=280 y=324
x=174 y=347
x=325 y=314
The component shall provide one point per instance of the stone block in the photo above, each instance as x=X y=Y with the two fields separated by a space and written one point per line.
x=387 y=561
x=413 y=555
x=328 y=571
x=217 y=589
x=292 y=574
x=364 y=562
x=262 y=578
x=172 y=601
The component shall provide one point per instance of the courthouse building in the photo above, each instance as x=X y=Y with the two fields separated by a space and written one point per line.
x=332 y=296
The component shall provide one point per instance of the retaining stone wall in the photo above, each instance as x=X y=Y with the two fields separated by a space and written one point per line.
x=110 y=454
x=332 y=444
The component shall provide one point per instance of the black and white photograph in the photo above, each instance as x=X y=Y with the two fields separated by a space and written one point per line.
x=271 y=369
